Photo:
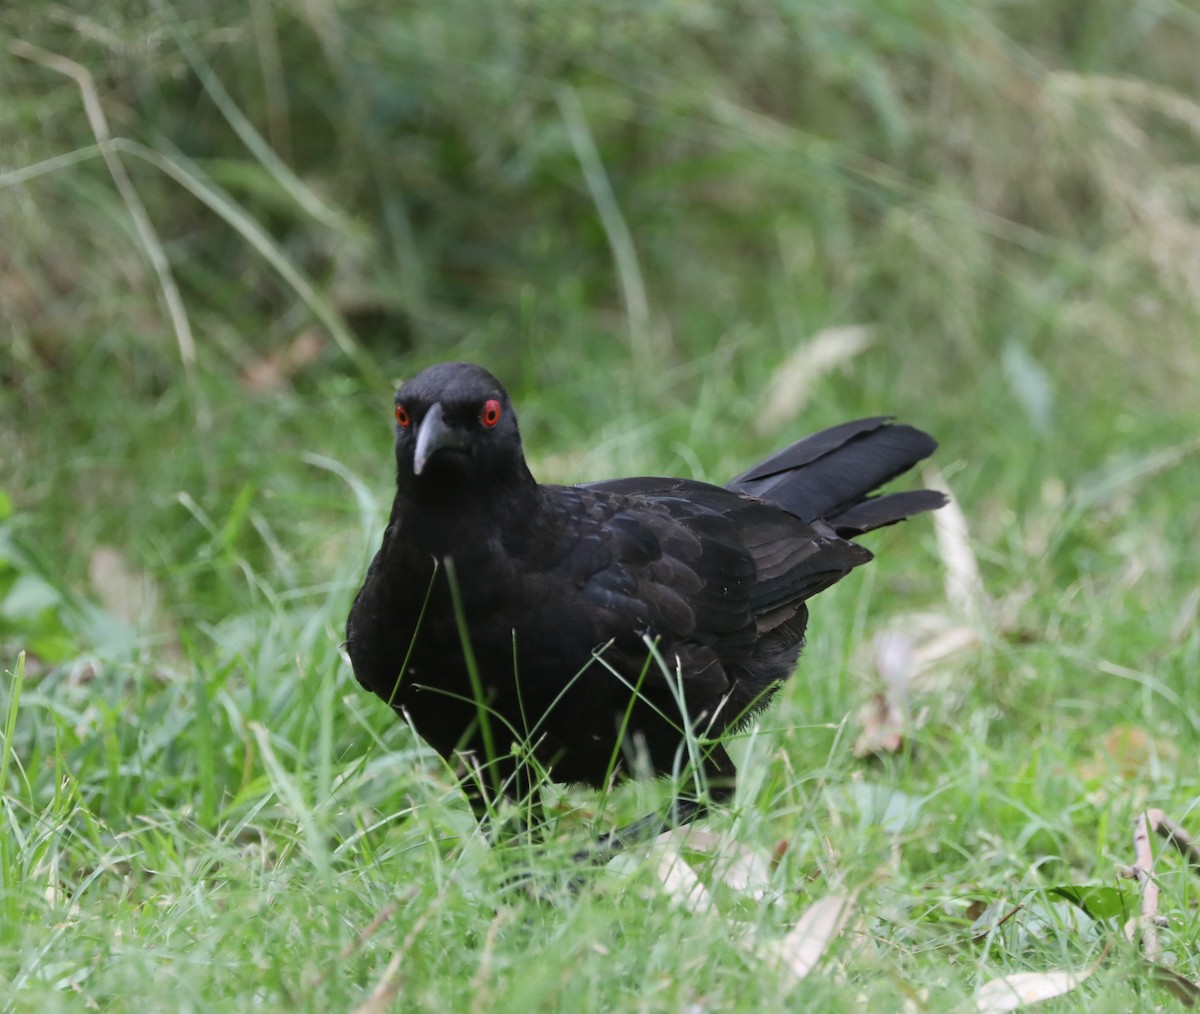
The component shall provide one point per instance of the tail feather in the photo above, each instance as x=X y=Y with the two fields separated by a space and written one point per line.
x=831 y=476
x=880 y=511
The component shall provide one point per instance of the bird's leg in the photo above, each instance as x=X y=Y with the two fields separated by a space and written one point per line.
x=510 y=834
x=516 y=786
x=716 y=786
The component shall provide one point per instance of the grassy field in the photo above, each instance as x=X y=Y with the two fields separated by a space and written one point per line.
x=683 y=233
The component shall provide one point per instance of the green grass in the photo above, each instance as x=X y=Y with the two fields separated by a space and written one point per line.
x=634 y=216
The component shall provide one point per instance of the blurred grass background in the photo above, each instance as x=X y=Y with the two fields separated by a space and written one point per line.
x=683 y=233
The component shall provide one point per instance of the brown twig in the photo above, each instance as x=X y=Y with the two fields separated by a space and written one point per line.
x=388 y=986
x=368 y=931
x=1146 y=926
x=1144 y=929
x=1173 y=834
x=479 y=979
x=980 y=937
x=385 y=990
x=365 y=934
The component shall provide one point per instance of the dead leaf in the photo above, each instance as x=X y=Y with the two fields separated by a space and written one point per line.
x=1023 y=988
x=918 y=656
x=964 y=586
x=693 y=838
x=277 y=369
x=882 y=726
x=739 y=868
x=942 y=644
x=934 y=646
x=1127 y=750
x=975 y=909
x=745 y=871
x=801 y=950
x=884 y=717
x=681 y=884
x=124 y=592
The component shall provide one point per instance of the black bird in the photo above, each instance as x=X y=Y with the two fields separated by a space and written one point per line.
x=610 y=628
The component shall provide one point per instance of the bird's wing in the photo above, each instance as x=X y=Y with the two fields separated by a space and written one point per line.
x=690 y=562
x=636 y=569
x=792 y=559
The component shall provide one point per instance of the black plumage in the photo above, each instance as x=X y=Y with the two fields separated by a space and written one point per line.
x=499 y=611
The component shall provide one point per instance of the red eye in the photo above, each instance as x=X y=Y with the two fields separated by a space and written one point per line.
x=403 y=419
x=491 y=413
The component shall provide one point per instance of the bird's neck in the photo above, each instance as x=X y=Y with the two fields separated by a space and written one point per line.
x=463 y=519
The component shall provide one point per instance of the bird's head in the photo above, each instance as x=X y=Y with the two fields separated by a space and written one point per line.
x=455 y=425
